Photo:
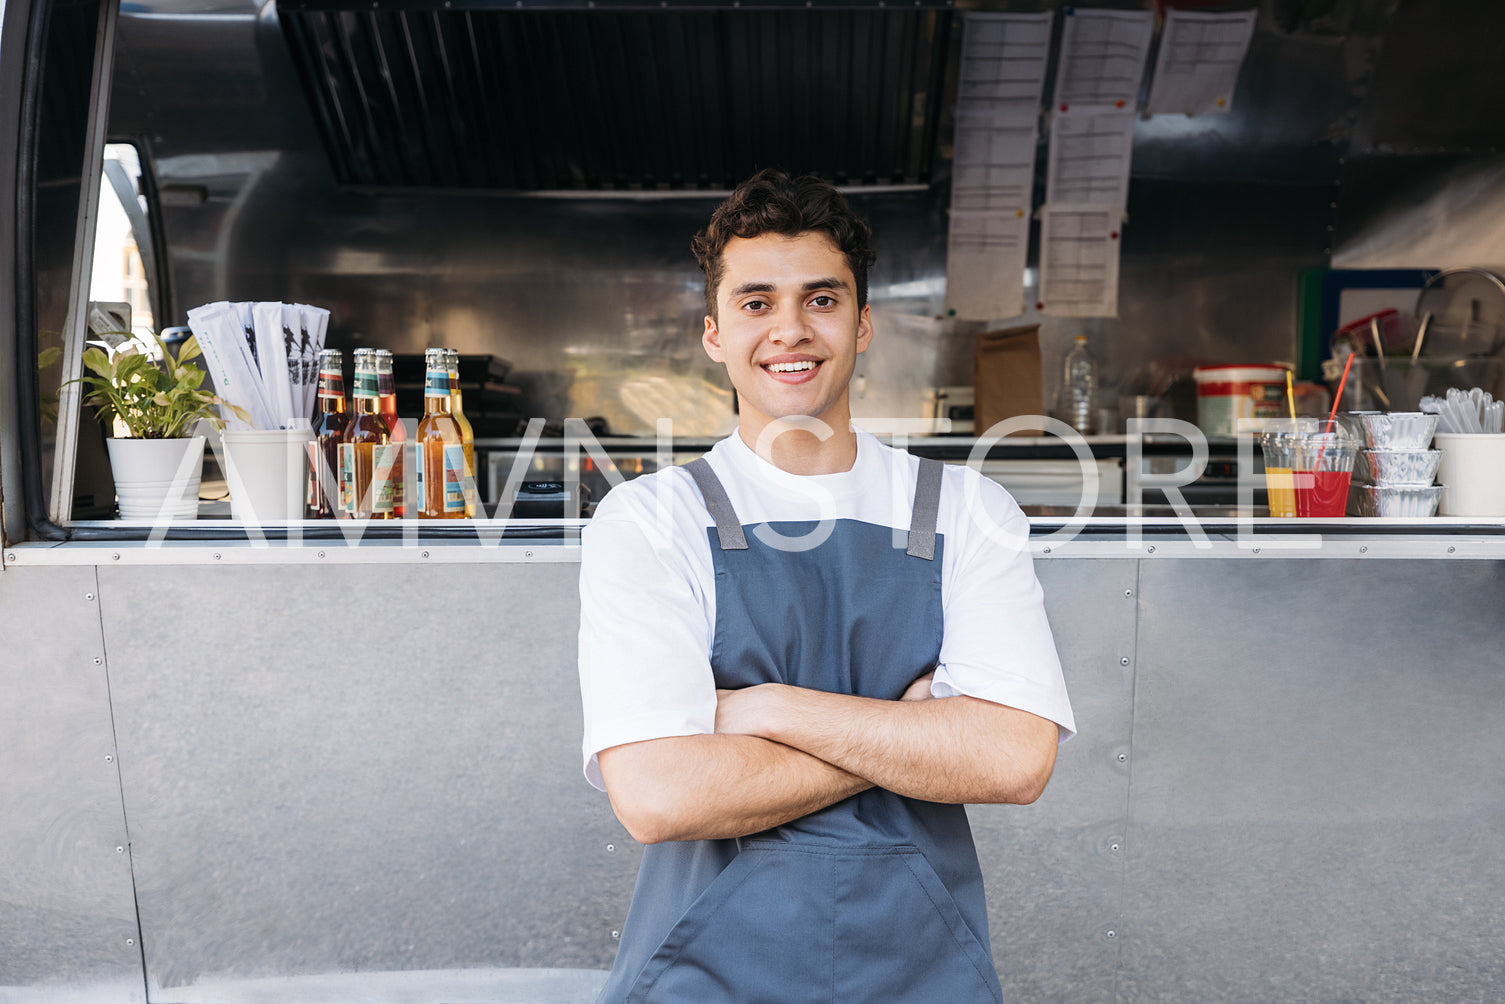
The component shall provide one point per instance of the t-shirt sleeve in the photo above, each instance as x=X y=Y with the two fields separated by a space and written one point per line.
x=997 y=644
x=645 y=668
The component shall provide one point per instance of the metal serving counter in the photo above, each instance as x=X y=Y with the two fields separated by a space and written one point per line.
x=241 y=773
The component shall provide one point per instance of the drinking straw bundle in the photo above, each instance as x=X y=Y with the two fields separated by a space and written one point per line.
x=263 y=357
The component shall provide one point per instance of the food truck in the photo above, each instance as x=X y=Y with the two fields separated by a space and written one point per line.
x=251 y=756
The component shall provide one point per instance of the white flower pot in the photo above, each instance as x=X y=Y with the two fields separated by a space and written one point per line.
x=157 y=478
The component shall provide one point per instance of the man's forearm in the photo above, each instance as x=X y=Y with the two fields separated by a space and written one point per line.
x=706 y=787
x=954 y=749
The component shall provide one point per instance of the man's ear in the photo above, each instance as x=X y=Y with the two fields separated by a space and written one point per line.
x=865 y=327
x=711 y=340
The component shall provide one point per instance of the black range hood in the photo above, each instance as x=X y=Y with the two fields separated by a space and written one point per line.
x=606 y=98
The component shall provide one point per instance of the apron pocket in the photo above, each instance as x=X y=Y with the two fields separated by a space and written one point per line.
x=788 y=922
x=761 y=933
x=901 y=937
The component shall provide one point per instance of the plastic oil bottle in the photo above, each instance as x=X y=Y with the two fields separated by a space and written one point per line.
x=1077 y=405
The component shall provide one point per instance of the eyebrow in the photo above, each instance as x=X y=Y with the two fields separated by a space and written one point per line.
x=829 y=282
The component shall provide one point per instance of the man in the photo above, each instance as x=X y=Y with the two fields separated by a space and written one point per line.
x=803 y=654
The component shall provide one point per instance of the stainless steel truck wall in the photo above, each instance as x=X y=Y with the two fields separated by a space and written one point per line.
x=247 y=774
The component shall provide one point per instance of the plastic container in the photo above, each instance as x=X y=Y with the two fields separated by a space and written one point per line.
x=1322 y=468
x=1078 y=402
x=267 y=474
x=1473 y=469
x=1226 y=394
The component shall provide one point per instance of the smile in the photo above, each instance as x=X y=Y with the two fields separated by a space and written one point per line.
x=798 y=367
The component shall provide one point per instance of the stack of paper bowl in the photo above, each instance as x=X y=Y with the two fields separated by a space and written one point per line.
x=1394 y=476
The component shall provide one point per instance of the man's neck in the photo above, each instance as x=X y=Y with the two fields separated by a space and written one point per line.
x=794 y=445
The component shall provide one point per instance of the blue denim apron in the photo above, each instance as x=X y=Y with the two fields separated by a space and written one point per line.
x=876 y=898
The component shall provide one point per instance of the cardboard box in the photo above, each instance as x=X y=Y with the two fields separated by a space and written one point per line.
x=1006 y=376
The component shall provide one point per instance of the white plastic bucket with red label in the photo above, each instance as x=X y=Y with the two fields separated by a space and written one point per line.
x=1226 y=394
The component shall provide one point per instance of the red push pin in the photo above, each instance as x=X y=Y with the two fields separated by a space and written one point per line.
x=1119 y=103
x=1063 y=107
x=1039 y=305
x=1113 y=235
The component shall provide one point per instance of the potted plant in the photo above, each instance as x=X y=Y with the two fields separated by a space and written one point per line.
x=158 y=462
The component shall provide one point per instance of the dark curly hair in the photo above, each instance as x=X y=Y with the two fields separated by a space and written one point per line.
x=771 y=202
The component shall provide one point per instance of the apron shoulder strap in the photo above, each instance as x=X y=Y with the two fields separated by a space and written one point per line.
x=728 y=526
x=927 y=506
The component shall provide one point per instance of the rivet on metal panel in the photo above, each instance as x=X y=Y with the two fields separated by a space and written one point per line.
x=1047 y=550
x=10 y=556
x=89 y=597
x=616 y=934
x=1110 y=933
x=425 y=553
x=1152 y=548
x=98 y=661
x=611 y=847
x=109 y=758
x=119 y=850
x=1123 y=758
x=130 y=942
x=116 y=555
x=321 y=554
x=1113 y=848
x=527 y=554
x=1452 y=550
x=1124 y=661
x=1363 y=549
x=216 y=553
x=1128 y=592
x=1256 y=550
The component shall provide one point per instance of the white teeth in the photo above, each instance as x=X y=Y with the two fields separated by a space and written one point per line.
x=790 y=367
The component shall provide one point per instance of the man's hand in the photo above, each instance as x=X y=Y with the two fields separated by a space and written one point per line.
x=952 y=749
x=920 y=689
x=741 y=712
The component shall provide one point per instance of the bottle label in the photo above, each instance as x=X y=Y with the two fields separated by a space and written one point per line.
x=383 y=464
x=418 y=476
x=311 y=499
x=468 y=483
x=454 y=478
x=347 y=477
x=436 y=383
x=398 y=498
x=365 y=385
x=331 y=384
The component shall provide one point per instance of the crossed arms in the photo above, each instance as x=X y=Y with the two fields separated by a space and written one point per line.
x=781 y=752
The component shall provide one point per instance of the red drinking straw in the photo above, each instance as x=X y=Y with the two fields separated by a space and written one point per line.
x=1333 y=415
x=1338 y=397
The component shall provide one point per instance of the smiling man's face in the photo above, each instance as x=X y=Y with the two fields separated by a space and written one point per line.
x=788 y=329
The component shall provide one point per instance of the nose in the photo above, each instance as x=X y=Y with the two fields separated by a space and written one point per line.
x=790 y=330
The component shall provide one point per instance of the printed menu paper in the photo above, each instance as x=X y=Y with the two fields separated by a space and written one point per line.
x=1102 y=57
x=985 y=259
x=1079 y=261
x=1002 y=77
x=1089 y=157
x=1199 y=61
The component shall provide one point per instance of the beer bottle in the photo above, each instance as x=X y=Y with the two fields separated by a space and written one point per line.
x=366 y=451
x=386 y=390
x=330 y=420
x=467 y=437
x=441 y=452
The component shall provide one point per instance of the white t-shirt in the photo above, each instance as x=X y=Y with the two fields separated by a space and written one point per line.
x=648 y=597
